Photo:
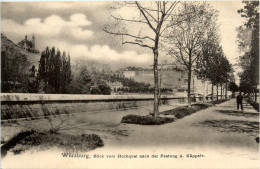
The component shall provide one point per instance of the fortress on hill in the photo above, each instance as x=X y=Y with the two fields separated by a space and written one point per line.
x=28 y=45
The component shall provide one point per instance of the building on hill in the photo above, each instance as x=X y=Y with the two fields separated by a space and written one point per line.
x=29 y=45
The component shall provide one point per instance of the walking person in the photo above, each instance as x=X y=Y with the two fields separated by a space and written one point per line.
x=240 y=101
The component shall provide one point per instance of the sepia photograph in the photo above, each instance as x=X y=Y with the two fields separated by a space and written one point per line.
x=130 y=84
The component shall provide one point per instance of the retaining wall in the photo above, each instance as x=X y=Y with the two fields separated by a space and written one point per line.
x=15 y=105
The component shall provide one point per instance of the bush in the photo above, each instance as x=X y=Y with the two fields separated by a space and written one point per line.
x=95 y=90
x=25 y=140
x=13 y=141
x=77 y=88
x=104 y=89
x=101 y=89
x=146 y=120
x=181 y=112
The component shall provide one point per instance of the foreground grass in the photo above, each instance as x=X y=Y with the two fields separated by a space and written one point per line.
x=181 y=112
x=146 y=120
x=26 y=140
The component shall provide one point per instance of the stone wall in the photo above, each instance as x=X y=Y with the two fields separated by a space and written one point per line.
x=15 y=105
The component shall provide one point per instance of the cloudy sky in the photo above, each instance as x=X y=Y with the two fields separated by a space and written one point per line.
x=76 y=27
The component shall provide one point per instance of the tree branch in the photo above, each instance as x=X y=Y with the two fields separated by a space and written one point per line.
x=135 y=43
x=148 y=22
x=128 y=20
x=126 y=34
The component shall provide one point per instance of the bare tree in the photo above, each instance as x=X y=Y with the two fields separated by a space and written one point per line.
x=187 y=37
x=152 y=22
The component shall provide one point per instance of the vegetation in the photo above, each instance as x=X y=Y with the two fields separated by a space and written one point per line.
x=155 y=18
x=101 y=89
x=213 y=65
x=178 y=112
x=26 y=140
x=233 y=87
x=186 y=38
x=146 y=120
x=13 y=70
x=181 y=112
x=248 y=42
x=93 y=80
x=54 y=71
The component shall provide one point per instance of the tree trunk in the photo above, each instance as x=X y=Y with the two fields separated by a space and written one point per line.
x=189 y=81
x=226 y=91
x=14 y=81
x=256 y=94
x=252 y=95
x=204 y=99
x=160 y=85
x=221 y=86
x=217 y=92
x=212 y=93
x=156 y=84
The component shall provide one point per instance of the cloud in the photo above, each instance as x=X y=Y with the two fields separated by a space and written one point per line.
x=65 y=5
x=52 y=26
x=104 y=54
x=69 y=35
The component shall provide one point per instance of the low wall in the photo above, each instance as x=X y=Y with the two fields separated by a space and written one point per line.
x=15 y=105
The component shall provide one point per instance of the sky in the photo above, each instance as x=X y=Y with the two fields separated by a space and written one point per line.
x=77 y=28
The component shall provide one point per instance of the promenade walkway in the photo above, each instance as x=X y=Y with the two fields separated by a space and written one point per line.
x=219 y=136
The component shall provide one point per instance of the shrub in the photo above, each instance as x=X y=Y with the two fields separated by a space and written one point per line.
x=146 y=120
x=27 y=139
x=104 y=89
x=181 y=112
x=95 y=90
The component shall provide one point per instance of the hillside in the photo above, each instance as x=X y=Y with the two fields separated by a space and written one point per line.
x=7 y=44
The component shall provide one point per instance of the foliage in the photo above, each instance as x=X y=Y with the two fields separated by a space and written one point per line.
x=249 y=61
x=13 y=70
x=54 y=70
x=146 y=120
x=26 y=140
x=187 y=37
x=233 y=87
x=105 y=89
x=101 y=89
x=181 y=112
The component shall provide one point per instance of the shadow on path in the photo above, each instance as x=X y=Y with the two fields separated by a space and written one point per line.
x=239 y=126
x=239 y=113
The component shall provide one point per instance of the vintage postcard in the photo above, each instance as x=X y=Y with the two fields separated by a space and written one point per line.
x=130 y=84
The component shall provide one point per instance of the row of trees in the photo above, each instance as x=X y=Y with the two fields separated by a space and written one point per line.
x=54 y=71
x=248 y=42
x=184 y=30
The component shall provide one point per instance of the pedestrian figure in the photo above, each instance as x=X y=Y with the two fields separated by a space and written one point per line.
x=240 y=101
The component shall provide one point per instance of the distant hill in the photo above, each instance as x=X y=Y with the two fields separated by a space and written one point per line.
x=7 y=44
x=170 y=78
x=132 y=68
